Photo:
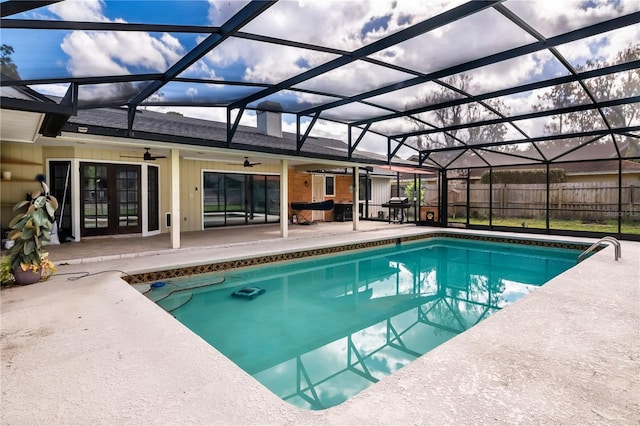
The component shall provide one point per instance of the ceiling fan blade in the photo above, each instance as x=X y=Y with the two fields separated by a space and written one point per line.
x=247 y=163
x=130 y=156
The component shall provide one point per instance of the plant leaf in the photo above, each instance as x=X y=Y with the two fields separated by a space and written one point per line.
x=20 y=205
x=29 y=247
x=40 y=202
x=18 y=222
x=27 y=234
x=53 y=201
x=37 y=217
x=50 y=209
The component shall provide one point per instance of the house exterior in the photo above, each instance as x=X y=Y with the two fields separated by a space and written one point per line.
x=106 y=186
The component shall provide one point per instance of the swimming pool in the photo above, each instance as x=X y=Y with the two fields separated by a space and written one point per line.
x=328 y=327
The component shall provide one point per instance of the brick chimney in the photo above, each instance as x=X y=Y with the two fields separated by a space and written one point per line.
x=270 y=118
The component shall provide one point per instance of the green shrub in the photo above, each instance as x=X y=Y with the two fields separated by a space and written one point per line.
x=525 y=176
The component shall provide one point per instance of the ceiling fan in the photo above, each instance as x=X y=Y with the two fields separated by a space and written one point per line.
x=147 y=156
x=247 y=163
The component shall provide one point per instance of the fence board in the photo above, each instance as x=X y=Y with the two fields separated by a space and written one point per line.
x=586 y=201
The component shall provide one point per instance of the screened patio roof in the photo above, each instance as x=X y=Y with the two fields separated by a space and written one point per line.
x=444 y=85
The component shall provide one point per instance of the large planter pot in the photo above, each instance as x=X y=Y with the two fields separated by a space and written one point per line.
x=26 y=277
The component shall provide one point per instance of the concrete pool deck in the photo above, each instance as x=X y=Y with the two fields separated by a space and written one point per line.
x=96 y=351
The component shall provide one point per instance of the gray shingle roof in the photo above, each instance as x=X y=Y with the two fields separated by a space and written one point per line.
x=172 y=127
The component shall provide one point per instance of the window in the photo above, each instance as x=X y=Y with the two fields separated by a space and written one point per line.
x=365 y=189
x=330 y=186
x=153 y=201
x=240 y=199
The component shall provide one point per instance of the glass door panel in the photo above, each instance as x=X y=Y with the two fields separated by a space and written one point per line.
x=60 y=187
x=110 y=199
x=95 y=201
x=236 y=199
x=127 y=183
x=153 y=200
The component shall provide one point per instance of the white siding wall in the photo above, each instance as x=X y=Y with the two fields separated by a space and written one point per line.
x=380 y=193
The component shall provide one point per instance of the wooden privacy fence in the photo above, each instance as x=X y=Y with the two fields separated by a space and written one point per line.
x=588 y=201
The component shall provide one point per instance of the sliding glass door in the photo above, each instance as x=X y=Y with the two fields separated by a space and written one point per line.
x=240 y=199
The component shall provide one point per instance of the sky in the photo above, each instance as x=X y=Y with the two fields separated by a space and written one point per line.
x=345 y=25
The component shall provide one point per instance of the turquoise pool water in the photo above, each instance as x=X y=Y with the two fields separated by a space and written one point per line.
x=326 y=328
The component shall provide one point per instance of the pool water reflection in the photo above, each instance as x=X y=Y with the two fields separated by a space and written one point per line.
x=327 y=328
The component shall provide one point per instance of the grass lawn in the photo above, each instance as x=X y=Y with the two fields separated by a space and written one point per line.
x=609 y=226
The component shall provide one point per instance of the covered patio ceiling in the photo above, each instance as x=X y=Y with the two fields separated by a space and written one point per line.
x=444 y=85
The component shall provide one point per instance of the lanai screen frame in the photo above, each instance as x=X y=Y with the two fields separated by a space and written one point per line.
x=417 y=148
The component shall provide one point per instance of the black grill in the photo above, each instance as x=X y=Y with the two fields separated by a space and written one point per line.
x=397 y=205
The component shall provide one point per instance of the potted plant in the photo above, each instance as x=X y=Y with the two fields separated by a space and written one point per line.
x=31 y=231
x=6 y=276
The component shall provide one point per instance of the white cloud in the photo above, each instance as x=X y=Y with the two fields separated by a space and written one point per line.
x=322 y=128
x=508 y=73
x=192 y=92
x=603 y=47
x=336 y=24
x=348 y=25
x=265 y=63
x=80 y=10
x=112 y=53
x=51 y=89
x=221 y=11
x=556 y=17
x=461 y=41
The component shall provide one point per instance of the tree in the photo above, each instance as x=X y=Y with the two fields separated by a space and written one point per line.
x=7 y=67
x=607 y=87
x=410 y=192
x=459 y=114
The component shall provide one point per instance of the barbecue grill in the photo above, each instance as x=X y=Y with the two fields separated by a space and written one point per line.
x=395 y=205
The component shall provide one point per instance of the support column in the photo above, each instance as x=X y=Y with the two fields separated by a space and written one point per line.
x=444 y=198
x=284 y=199
x=176 y=219
x=356 y=198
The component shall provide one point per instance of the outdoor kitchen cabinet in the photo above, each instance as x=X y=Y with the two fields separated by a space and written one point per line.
x=343 y=212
